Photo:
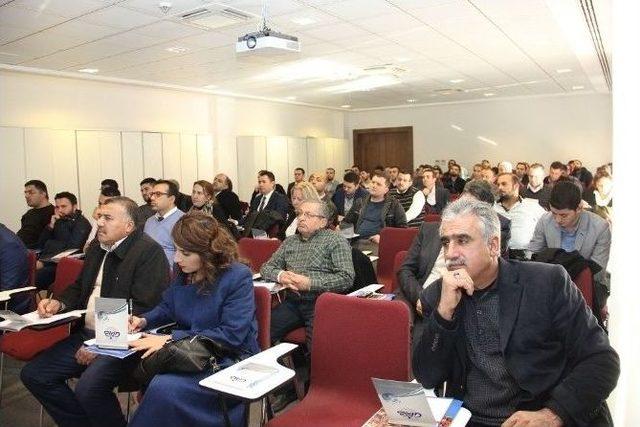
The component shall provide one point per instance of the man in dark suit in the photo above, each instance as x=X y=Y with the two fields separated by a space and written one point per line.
x=298 y=176
x=453 y=181
x=514 y=340
x=124 y=263
x=229 y=201
x=436 y=197
x=347 y=193
x=268 y=198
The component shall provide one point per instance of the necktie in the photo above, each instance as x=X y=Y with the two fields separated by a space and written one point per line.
x=264 y=199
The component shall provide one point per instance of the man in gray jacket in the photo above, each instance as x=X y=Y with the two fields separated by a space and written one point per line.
x=571 y=228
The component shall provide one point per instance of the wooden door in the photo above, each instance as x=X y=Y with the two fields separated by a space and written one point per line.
x=383 y=146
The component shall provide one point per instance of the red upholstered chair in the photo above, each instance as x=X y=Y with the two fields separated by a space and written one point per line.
x=584 y=282
x=392 y=241
x=453 y=197
x=257 y=251
x=432 y=218
x=397 y=262
x=28 y=343
x=263 y=315
x=348 y=336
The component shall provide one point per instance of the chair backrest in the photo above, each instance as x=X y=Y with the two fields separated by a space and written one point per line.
x=432 y=218
x=67 y=272
x=355 y=339
x=392 y=240
x=397 y=262
x=584 y=282
x=257 y=251
x=263 y=315
x=32 y=260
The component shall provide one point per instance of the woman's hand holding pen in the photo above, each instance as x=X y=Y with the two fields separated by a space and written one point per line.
x=47 y=307
x=136 y=324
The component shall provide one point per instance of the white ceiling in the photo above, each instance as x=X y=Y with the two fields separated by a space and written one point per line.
x=499 y=47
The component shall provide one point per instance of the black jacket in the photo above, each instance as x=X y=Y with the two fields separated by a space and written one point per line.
x=442 y=200
x=551 y=343
x=339 y=197
x=136 y=269
x=392 y=213
x=32 y=223
x=68 y=233
x=230 y=203
x=277 y=202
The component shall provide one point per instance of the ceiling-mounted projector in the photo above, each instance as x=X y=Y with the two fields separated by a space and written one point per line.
x=267 y=41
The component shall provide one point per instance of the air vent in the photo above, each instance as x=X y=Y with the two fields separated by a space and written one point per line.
x=384 y=69
x=447 y=91
x=215 y=17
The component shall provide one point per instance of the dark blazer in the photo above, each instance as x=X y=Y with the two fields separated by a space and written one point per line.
x=230 y=203
x=442 y=200
x=339 y=196
x=456 y=186
x=289 y=189
x=551 y=342
x=392 y=213
x=277 y=202
x=278 y=189
x=32 y=224
x=136 y=269
x=67 y=233
x=14 y=268
x=184 y=202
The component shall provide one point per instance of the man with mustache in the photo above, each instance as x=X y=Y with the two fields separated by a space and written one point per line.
x=514 y=340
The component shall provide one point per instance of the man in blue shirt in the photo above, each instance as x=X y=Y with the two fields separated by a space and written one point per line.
x=160 y=225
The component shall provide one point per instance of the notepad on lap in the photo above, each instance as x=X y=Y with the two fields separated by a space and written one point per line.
x=15 y=322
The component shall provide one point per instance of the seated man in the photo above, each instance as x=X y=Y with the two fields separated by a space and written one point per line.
x=38 y=217
x=513 y=340
x=67 y=229
x=125 y=264
x=314 y=261
x=373 y=212
x=229 y=201
x=523 y=213
x=298 y=176
x=347 y=193
x=436 y=196
x=536 y=188
x=14 y=269
x=159 y=226
x=568 y=226
x=410 y=198
x=268 y=207
x=453 y=181
x=425 y=261
x=105 y=194
x=145 y=211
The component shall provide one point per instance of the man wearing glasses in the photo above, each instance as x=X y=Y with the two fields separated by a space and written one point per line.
x=159 y=226
x=314 y=261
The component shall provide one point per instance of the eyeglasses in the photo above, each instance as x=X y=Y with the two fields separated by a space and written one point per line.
x=307 y=215
x=157 y=194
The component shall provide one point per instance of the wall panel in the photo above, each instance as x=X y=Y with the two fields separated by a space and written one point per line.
x=12 y=165
x=152 y=154
x=206 y=169
x=171 y=156
x=188 y=161
x=99 y=157
x=277 y=159
x=296 y=155
x=132 y=165
x=252 y=157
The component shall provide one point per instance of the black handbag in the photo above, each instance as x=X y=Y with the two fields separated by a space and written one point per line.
x=186 y=355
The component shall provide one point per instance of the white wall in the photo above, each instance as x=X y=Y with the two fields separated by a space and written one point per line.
x=49 y=126
x=541 y=129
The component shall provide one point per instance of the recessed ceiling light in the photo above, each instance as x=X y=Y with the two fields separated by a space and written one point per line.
x=456 y=127
x=489 y=94
x=402 y=59
x=303 y=21
x=291 y=98
x=177 y=49
x=209 y=87
x=412 y=101
x=456 y=80
x=487 y=140
x=563 y=70
x=579 y=87
x=89 y=70
x=345 y=106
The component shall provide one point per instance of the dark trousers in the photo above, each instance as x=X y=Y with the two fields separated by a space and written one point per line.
x=93 y=402
x=291 y=314
x=46 y=275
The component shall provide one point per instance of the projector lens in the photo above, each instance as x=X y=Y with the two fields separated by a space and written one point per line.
x=251 y=42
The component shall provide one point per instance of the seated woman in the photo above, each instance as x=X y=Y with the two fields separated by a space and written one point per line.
x=601 y=197
x=212 y=296
x=204 y=201
x=302 y=191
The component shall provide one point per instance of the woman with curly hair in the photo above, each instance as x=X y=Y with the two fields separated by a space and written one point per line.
x=212 y=296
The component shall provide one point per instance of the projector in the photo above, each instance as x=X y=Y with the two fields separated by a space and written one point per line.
x=267 y=41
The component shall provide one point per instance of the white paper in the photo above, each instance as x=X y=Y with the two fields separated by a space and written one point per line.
x=367 y=290
x=33 y=318
x=273 y=287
